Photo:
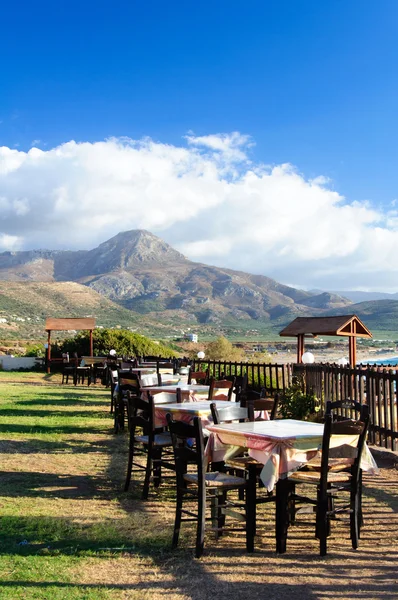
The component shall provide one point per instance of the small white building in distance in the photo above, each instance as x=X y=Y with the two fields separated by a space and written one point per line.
x=192 y=337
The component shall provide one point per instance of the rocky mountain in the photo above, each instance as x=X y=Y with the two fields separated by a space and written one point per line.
x=142 y=273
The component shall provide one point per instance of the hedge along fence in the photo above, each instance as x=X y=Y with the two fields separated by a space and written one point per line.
x=366 y=384
x=274 y=377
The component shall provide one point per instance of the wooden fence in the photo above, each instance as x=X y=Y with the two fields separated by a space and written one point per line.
x=365 y=384
x=371 y=385
x=274 y=377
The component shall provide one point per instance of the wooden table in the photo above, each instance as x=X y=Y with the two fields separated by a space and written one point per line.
x=282 y=446
x=186 y=411
x=184 y=387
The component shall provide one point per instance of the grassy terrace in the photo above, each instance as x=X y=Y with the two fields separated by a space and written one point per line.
x=68 y=531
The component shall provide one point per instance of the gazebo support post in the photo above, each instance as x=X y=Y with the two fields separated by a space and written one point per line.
x=300 y=348
x=49 y=351
x=91 y=343
x=353 y=346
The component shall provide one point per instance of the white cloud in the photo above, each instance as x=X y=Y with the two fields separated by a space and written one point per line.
x=206 y=198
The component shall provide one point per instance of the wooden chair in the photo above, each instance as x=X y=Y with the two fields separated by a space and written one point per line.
x=150 y=442
x=340 y=411
x=201 y=377
x=219 y=388
x=244 y=465
x=68 y=371
x=261 y=402
x=127 y=382
x=328 y=482
x=240 y=384
x=114 y=378
x=195 y=483
x=234 y=412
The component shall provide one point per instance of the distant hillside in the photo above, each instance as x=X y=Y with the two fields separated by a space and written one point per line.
x=142 y=273
x=379 y=315
x=25 y=306
x=136 y=279
x=358 y=296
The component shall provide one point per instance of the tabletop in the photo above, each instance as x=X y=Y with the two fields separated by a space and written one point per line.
x=185 y=387
x=186 y=411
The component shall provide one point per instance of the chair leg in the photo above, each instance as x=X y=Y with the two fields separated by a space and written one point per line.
x=130 y=461
x=360 y=513
x=220 y=514
x=157 y=466
x=354 y=518
x=177 y=522
x=148 y=472
x=251 y=508
x=322 y=524
x=200 y=531
x=214 y=514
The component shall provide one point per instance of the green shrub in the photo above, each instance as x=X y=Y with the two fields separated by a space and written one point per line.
x=297 y=404
x=126 y=343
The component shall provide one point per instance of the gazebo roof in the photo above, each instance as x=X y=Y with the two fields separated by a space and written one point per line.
x=344 y=325
x=68 y=324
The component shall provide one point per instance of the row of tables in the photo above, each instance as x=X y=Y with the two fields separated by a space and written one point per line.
x=282 y=445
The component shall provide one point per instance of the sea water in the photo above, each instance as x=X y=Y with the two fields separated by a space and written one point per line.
x=393 y=360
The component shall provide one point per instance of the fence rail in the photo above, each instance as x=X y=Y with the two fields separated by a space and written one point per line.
x=371 y=385
x=274 y=377
x=366 y=384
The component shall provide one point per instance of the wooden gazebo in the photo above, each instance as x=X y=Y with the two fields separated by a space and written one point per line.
x=68 y=324
x=345 y=325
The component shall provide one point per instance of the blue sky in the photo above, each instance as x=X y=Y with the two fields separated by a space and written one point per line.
x=314 y=84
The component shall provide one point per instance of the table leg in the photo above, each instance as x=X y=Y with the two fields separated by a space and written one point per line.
x=281 y=517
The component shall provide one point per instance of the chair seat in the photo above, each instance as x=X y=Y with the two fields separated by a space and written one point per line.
x=241 y=462
x=334 y=464
x=217 y=479
x=312 y=477
x=160 y=439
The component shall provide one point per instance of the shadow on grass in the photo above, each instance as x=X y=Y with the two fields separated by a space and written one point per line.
x=43 y=429
x=35 y=446
x=72 y=402
x=17 y=484
x=22 y=412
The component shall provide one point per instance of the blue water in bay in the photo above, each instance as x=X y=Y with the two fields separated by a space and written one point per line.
x=393 y=360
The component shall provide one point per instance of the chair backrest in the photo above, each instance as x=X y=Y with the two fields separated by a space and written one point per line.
x=240 y=381
x=234 y=412
x=346 y=427
x=141 y=413
x=186 y=453
x=343 y=409
x=164 y=365
x=201 y=377
x=128 y=381
x=268 y=404
x=222 y=387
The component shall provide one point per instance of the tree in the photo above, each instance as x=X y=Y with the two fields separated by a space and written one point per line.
x=126 y=343
x=222 y=349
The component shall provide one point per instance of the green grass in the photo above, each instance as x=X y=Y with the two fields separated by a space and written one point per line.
x=60 y=499
x=68 y=531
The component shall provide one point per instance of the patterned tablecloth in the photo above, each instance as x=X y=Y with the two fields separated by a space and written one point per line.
x=187 y=411
x=283 y=446
x=151 y=379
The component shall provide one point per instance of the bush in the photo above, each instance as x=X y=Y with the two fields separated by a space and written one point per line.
x=35 y=350
x=124 y=342
x=297 y=404
x=222 y=349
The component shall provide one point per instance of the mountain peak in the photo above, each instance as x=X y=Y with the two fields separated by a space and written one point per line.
x=129 y=249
